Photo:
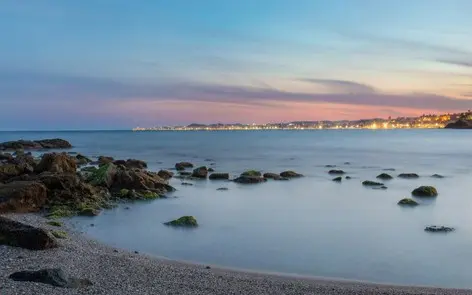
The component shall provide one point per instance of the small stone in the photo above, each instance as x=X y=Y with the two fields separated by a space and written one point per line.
x=222 y=189
x=116 y=251
x=408 y=175
x=408 y=202
x=136 y=252
x=207 y=267
x=437 y=228
x=371 y=183
x=334 y=171
x=187 y=183
x=437 y=176
x=384 y=176
x=338 y=179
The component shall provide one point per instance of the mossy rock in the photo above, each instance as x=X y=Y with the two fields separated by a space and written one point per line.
x=59 y=234
x=384 y=176
x=290 y=174
x=408 y=175
x=54 y=223
x=89 y=169
x=408 y=202
x=148 y=195
x=124 y=193
x=371 y=183
x=252 y=173
x=103 y=175
x=425 y=191
x=184 y=221
x=88 y=211
x=60 y=211
x=337 y=179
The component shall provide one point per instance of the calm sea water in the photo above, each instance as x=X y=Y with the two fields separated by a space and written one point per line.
x=309 y=226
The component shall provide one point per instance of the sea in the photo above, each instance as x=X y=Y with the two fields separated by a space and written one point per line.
x=311 y=226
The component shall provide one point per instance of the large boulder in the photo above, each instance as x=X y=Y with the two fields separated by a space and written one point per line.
x=17 y=234
x=57 y=163
x=165 y=174
x=184 y=221
x=22 y=196
x=425 y=191
x=219 y=176
x=51 y=276
x=384 y=176
x=132 y=163
x=10 y=170
x=140 y=180
x=55 y=143
x=200 y=172
x=249 y=179
x=182 y=165
x=290 y=174
x=103 y=176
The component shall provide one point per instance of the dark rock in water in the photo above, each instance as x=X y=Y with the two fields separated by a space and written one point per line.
x=165 y=174
x=371 y=183
x=17 y=234
x=211 y=170
x=408 y=202
x=185 y=173
x=338 y=179
x=82 y=160
x=334 y=171
x=207 y=267
x=249 y=179
x=389 y=169
x=425 y=191
x=6 y=157
x=200 y=172
x=222 y=176
x=182 y=165
x=408 y=175
x=222 y=189
x=274 y=176
x=347 y=163
x=384 y=176
x=437 y=176
x=459 y=124
x=439 y=228
x=184 y=221
x=103 y=176
x=348 y=177
x=252 y=173
x=187 y=183
x=330 y=166
x=56 y=163
x=290 y=174
x=51 y=276
x=208 y=160
x=133 y=163
x=55 y=143
x=102 y=160
x=22 y=196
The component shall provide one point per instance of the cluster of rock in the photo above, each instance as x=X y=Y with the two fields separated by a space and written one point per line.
x=55 y=184
x=459 y=124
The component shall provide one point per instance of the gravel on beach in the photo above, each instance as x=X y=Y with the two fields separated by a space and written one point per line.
x=116 y=271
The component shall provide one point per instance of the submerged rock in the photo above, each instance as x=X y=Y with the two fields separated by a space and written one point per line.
x=252 y=173
x=408 y=175
x=348 y=177
x=425 y=191
x=184 y=221
x=249 y=179
x=439 y=228
x=222 y=189
x=185 y=173
x=334 y=171
x=338 y=179
x=371 y=183
x=290 y=174
x=51 y=276
x=165 y=174
x=17 y=234
x=408 y=202
x=330 y=166
x=182 y=165
x=219 y=176
x=200 y=172
x=187 y=183
x=437 y=176
x=389 y=169
x=384 y=176
x=22 y=196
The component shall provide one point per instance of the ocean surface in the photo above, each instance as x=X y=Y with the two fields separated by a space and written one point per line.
x=308 y=226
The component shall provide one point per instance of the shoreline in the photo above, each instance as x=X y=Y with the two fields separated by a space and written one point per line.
x=120 y=271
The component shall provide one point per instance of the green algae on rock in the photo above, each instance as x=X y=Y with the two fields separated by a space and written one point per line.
x=290 y=174
x=252 y=173
x=407 y=202
x=59 y=234
x=184 y=221
x=384 y=176
x=371 y=183
x=54 y=223
x=425 y=191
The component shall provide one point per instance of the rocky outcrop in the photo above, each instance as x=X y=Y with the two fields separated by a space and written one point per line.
x=437 y=176
x=337 y=179
x=408 y=175
x=133 y=163
x=459 y=124
x=22 y=196
x=219 y=176
x=55 y=143
x=439 y=228
x=336 y=172
x=182 y=165
x=184 y=221
x=408 y=202
x=249 y=179
x=165 y=174
x=425 y=191
x=274 y=176
x=56 y=163
x=103 y=160
x=371 y=183
x=200 y=172
x=51 y=276
x=384 y=176
x=17 y=234
x=252 y=173
x=82 y=160
x=290 y=174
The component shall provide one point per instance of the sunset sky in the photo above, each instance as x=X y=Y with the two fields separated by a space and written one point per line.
x=118 y=64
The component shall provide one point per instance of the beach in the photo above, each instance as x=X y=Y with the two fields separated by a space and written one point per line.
x=118 y=271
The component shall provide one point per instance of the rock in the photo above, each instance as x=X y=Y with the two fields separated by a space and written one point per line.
x=54 y=223
x=249 y=179
x=208 y=160
x=389 y=169
x=384 y=176
x=184 y=221
x=290 y=174
x=371 y=183
x=10 y=170
x=252 y=173
x=59 y=163
x=182 y=165
x=200 y=172
x=165 y=174
x=17 y=234
x=103 y=176
x=22 y=196
x=59 y=234
x=89 y=212
x=55 y=143
x=6 y=157
x=187 y=183
x=408 y=202
x=82 y=160
x=459 y=124
x=89 y=169
x=439 y=228
x=207 y=267
x=269 y=175
x=133 y=163
x=139 y=180
x=334 y=171
x=338 y=179
x=348 y=177
x=222 y=189
x=211 y=170
x=330 y=166
x=425 y=191
x=347 y=163
x=408 y=175
x=102 y=160
x=51 y=276
x=185 y=173
x=219 y=176
x=437 y=176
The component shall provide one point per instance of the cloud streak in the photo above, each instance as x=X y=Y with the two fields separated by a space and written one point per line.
x=342 y=86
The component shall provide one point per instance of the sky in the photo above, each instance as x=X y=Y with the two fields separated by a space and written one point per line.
x=114 y=64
